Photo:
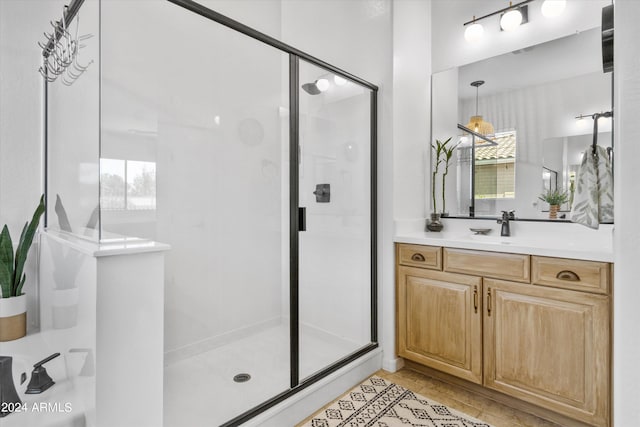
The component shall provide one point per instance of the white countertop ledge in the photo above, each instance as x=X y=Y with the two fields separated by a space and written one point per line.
x=120 y=245
x=575 y=248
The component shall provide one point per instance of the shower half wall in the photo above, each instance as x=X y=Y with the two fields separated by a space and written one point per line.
x=208 y=142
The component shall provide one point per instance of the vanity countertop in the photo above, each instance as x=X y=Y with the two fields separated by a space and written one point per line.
x=572 y=243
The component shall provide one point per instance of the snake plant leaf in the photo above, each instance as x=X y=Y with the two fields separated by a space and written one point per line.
x=25 y=243
x=6 y=262
x=14 y=283
x=20 y=285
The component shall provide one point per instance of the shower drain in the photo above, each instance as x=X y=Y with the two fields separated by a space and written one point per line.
x=242 y=378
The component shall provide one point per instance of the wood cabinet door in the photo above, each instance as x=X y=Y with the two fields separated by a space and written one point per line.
x=549 y=347
x=440 y=321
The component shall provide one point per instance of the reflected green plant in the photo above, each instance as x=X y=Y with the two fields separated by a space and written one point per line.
x=554 y=197
x=442 y=155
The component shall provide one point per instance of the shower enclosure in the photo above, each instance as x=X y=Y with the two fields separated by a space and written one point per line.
x=256 y=163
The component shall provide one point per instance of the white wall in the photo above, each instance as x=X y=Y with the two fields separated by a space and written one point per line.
x=21 y=27
x=626 y=340
x=408 y=151
x=411 y=106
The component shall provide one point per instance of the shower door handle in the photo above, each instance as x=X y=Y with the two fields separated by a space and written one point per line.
x=302 y=219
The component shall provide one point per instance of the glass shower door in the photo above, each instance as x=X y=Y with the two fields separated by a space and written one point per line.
x=199 y=112
x=335 y=188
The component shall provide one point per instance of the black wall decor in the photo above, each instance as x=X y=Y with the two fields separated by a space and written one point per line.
x=607 y=38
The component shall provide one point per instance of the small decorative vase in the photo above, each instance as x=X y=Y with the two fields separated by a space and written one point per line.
x=435 y=224
x=13 y=318
x=553 y=211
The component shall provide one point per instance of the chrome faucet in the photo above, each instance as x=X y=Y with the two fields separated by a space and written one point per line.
x=506 y=217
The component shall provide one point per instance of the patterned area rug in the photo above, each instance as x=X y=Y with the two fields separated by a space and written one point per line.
x=378 y=403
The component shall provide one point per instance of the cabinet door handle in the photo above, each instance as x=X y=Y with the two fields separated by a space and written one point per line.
x=489 y=302
x=568 y=275
x=417 y=257
x=475 y=298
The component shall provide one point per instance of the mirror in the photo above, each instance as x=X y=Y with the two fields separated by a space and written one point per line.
x=532 y=98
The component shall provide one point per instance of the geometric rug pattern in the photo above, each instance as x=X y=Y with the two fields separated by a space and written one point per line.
x=379 y=403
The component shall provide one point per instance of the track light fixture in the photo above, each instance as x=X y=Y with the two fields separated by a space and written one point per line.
x=512 y=17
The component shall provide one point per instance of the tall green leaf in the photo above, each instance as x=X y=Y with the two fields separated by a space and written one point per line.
x=23 y=247
x=448 y=153
x=20 y=285
x=6 y=262
x=14 y=285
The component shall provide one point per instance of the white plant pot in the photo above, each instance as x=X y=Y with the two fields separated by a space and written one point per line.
x=13 y=318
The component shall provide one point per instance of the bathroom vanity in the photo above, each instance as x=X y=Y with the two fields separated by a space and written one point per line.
x=525 y=328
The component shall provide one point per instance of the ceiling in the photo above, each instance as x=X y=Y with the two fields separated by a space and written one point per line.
x=566 y=57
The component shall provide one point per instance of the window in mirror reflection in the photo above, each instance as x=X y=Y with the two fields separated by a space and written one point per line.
x=495 y=168
x=549 y=179
x=127 y=184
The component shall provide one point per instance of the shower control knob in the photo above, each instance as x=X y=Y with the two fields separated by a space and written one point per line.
x=323 y=193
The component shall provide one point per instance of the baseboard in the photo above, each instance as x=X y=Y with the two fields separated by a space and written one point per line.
x=306 y=402
x=190 y=350
x=393 y=365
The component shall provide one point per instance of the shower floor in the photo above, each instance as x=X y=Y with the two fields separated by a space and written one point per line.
x=200 y=390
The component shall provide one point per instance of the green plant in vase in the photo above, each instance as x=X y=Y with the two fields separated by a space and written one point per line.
x=448 y=154
x=13 y=303
x=438 y=149
x=12 y=276
x=555 y=198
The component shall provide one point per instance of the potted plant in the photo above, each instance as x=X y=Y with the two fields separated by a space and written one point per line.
x=438 y=149
x=442 y=154
x=555 y=198
x=13 y=302
x=448 y=154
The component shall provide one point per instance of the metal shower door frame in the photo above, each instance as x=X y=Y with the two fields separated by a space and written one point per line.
x=295 y=55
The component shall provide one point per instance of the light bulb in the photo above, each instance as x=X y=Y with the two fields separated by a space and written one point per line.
x=553 y=8
x=322 y=84
x=473 y=32
x=511 y=20
x=340 y=81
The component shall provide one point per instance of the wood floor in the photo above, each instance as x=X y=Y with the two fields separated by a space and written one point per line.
x=479 y=407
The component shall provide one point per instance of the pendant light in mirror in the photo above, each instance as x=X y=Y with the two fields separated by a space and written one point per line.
x=476 y=123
